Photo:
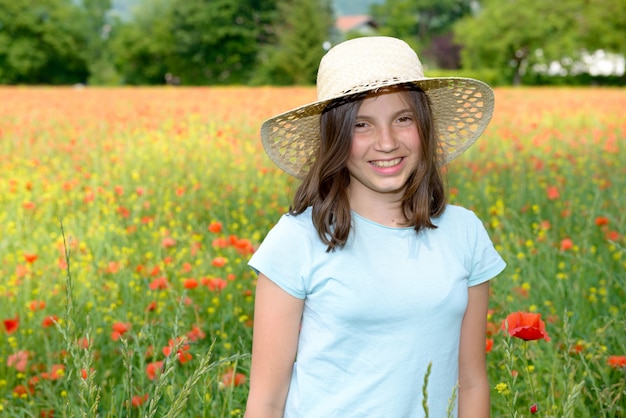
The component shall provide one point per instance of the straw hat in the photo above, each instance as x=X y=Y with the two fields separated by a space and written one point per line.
x=462 y=107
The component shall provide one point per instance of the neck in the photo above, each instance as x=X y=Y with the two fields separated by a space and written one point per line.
x=385 y=210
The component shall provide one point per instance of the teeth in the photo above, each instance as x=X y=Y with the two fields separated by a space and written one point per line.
x=389 y=163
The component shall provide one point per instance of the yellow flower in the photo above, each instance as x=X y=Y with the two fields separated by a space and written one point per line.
x=502 y=388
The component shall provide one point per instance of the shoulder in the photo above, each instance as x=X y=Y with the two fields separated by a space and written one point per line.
x=292 y=228
x=301 y=222
x=460 y=225
x=456 y=217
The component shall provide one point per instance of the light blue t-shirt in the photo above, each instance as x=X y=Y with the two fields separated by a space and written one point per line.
x=377 y=311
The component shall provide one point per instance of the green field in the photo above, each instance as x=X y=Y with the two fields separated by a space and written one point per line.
x=127 y=217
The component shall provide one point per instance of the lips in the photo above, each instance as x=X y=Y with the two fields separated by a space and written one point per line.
x=386 y=163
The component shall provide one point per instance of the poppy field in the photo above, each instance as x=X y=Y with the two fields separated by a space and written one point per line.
x=127 y=217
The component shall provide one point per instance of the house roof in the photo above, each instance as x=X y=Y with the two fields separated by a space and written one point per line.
x=351 y=22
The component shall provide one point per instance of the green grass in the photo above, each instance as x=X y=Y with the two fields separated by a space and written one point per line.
x=105 y=192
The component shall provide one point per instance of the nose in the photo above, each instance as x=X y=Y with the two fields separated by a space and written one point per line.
x=386 y=140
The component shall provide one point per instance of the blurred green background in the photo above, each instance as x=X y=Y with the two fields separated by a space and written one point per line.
x=280 y=42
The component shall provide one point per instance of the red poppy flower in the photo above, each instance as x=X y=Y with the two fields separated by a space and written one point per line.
x=49 y=321
x=244 y=246
x=527 y=326
x=136 y=401
x=123 y=211
x=195 y=334
x=617 y=362
x=215 y=227
x=154 y=369
x=11 y=325
x=62 y=263
x=576 y=348
x=195 y=247
x=230 y=378
x=214 y=283
x=553 y=192
x=566 y=244
x=167 y=350
x=21 y=390
x=184 y=356
x=612 y=235
x=160 y=283
x=30 y=258
x=89 y=196
x=83 y=343
x=190 y=283
x=37 y=305
x=56 y=372
x=534 y=409
x=33 y=381
x=113 y=267
x=219 y=262
x=119 y=329
x=489 y=344
x=602 y=220
x=21 y=271
x=187 y=267
x=220 y=243
x=521 y=291
x=168 y=242
x=19 y=360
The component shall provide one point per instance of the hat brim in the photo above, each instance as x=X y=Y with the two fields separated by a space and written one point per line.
x=461 y=107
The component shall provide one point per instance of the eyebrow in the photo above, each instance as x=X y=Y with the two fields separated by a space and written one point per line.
x=395 y=115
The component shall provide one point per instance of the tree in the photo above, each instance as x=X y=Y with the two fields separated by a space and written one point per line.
x=41 y=42
x=142 y=46
x=96 y=27
x=214 y=41
x=514 y=35
x=300 y=40
x=195 y=41
x=425 y=24
x=602 y=25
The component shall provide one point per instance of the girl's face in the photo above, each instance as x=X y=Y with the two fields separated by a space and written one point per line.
x=385 y=148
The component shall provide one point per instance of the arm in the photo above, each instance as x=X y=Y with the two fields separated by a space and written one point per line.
x=473 y=383
x=277 y=317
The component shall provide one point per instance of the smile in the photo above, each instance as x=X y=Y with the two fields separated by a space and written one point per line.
x=386 y=163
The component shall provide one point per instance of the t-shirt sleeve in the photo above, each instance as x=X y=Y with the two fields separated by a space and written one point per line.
x=486 y=263
x=283 y=256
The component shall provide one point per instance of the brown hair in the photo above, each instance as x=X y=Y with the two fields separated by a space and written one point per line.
x=325 y=186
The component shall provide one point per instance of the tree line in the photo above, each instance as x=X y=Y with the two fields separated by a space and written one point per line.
x=280 y=42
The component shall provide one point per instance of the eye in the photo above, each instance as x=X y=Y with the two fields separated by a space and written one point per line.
x=405 y=120
x=360 y=125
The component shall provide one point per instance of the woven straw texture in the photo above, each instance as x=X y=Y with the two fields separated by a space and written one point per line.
x=462 y=107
